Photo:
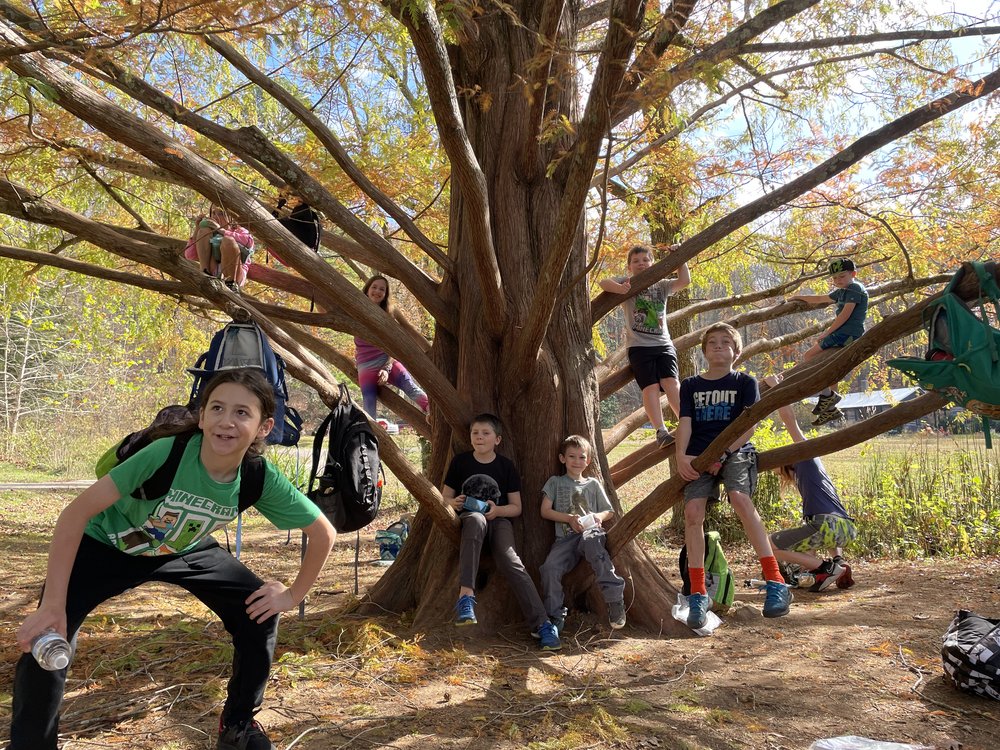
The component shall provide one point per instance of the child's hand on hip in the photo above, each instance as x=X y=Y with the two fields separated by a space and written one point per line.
x=270 y=599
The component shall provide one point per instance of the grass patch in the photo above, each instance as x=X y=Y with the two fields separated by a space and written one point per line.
x=586 y=730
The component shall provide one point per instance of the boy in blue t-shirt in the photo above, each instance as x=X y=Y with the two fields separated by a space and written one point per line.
x=849 y=324
x=709 y=403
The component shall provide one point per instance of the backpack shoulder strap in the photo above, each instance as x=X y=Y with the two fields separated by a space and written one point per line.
x=158 y=483
x=321 y=432
x=251 y=481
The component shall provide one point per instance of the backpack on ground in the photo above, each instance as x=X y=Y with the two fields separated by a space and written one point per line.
x=962 y=361
x=390 y=540
x=970 y=651
x=158 y=483
x=245 y=345
x=718 y=577
x=349 y=490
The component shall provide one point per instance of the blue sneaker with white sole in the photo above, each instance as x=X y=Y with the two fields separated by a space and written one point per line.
x=465 y=610
x=777 y=598
x=697 y=611
x=549 y=637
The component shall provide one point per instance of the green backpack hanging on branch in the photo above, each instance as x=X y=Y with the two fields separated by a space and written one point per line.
x=963 y=352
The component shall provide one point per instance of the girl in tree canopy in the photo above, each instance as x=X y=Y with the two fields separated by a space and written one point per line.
x=375 y=367
x=222 y=247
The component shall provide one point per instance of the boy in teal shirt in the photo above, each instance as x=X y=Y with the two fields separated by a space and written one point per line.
x=851 y=298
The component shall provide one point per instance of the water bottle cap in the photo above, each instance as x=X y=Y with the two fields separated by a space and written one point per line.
x=60 y=660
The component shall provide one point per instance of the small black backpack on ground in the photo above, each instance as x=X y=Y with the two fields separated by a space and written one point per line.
x=971 y=654
x=349 y=490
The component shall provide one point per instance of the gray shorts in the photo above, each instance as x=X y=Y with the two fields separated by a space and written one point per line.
x=738 y=474
x=820 y=532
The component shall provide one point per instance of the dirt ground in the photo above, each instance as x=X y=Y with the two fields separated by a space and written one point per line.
x=152 y=667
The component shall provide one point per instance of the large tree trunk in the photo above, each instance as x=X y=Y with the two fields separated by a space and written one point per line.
x=560 y=397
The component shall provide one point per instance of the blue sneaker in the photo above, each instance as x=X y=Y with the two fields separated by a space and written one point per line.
x=465 y=611
x=549 y=637
x=777 y=597
x=697 y=611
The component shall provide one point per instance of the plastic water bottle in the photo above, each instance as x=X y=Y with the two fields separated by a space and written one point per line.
x=51 y=651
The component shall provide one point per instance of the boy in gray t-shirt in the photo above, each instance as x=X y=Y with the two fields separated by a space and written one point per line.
x=651 y=353
x=578 y=505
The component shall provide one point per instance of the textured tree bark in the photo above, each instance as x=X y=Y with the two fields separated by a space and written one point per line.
x=553 y=397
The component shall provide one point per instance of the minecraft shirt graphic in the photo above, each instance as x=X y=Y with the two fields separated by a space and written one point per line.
x=649 y=308
x=175 y=525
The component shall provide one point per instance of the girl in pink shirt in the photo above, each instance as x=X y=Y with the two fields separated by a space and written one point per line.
x=375 y=367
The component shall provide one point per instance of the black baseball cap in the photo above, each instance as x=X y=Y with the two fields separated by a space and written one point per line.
x=841 y=264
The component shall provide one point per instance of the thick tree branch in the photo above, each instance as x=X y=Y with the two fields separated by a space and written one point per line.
x=910 y=35
x=833 y=166
x=593 y=128
x=537 y=84
x=332 y=144
x=660 y=85
x=171 y=288
x=422 y=23
x=667 y=29
x=118 y=164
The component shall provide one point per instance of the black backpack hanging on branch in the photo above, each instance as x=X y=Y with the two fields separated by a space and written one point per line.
x=349 y=490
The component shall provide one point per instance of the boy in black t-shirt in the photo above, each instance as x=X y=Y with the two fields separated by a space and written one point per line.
x=709 y=403
x=484 y=471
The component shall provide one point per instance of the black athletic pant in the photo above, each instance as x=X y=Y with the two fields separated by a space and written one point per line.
x=218 y=579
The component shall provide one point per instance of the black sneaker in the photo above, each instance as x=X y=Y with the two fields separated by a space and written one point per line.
x=831 y=415
x=826 y=575
x=790 y=572
x=616 y=615
x=245 y=735
x=663 y=438
x=231 y=286
x=826 y=403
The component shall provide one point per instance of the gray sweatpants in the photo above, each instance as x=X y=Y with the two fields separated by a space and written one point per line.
x=475 y=531
x=564 y=556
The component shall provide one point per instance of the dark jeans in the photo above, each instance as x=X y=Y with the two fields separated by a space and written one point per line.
x=219 y=580
x=475 y=531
